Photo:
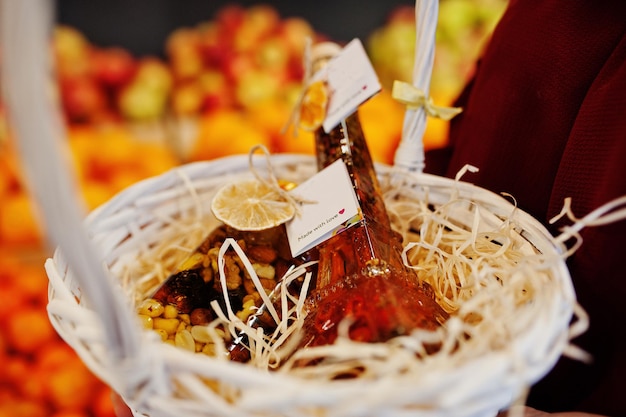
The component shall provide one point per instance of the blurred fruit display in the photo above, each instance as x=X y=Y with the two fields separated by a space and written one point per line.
x=223 y=86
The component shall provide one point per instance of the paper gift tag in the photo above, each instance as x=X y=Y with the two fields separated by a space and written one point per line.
x=351 y=80
x=331 y=207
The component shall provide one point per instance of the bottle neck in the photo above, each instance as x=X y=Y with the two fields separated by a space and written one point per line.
x=347 y=142
x=372 y=240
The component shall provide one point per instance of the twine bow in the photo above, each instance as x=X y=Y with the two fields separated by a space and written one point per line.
x=272 y=183
x=415 y=98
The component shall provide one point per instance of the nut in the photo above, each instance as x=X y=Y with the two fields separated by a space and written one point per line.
x=201 y=316
x=262 y=254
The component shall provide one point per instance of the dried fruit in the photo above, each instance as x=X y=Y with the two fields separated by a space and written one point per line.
x=313 y=106
x=251 y=205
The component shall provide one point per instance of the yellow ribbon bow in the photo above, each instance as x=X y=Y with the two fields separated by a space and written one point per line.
x=415 y=98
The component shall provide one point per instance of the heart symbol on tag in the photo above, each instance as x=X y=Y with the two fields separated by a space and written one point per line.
x=342 y=211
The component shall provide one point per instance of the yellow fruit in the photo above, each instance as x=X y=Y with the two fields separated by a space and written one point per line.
x=251 y=205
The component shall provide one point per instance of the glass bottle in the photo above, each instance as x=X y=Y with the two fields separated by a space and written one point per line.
x=361 y=275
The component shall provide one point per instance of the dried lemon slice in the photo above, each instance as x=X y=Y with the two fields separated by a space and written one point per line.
x=251 y=205
x=313 y=106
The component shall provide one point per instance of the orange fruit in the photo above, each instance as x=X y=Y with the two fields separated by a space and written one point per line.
x=382 y=118
x=302 y=143
x=226 y=132
x=105 y=404
x=22 y=407
x=156 y=159
x=18 y=223
x=29 y=330
x=313 y=106
x=15 y=370
x=71 y=413
x=96 y=193
x=55 y=356
x=71 y=387
x=33 y=387
x=111 y=151
x=111 y=158
x=12 y=302
x=31 y=281
x=436 y=134
x=270 y=116
x=5 y=180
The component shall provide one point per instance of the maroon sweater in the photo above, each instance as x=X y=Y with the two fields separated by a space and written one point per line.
x=545 y=118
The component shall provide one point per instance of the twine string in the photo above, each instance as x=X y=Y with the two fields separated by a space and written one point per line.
x=272 y=183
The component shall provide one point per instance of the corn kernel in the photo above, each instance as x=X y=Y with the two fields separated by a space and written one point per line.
x=170 y=312
x=181 y=326
x=209 y=349
x=162 y=333
x=184 y=318
x=146 y=321
x=151 y=308
x=167 y=324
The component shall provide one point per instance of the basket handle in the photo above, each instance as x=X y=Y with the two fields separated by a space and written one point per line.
x=28 y=86
x=410 y=152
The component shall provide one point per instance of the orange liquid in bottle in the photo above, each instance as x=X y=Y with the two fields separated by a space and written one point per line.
x=361 y=276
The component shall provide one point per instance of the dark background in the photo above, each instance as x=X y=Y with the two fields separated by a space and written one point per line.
x=142 y=26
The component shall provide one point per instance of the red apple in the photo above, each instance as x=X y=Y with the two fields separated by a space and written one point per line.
x=217 y=93
x=236 y=66
x=82 y=98
x=230 y=17
x=113 y=67
x=215 y=101
x=213 y=45
x=403 y=13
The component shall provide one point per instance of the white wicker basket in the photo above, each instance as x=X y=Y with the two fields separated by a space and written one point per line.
x=94 y=312
x=174 y=381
